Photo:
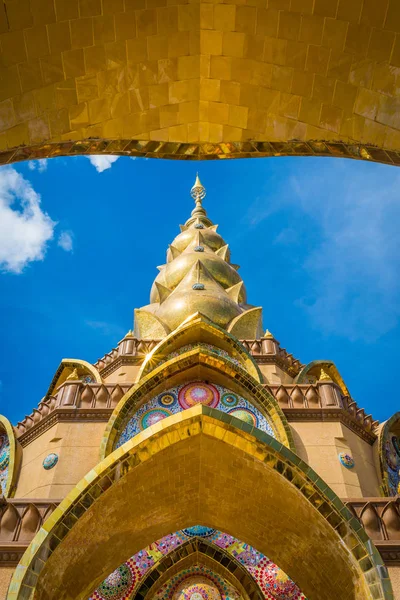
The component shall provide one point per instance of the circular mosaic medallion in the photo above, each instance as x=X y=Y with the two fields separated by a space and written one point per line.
x=50 y=461
x=197 y=588
x=199 y=531
x=244 y=414
x=198 y=393
x=4 y=452
x=117 y=585
x=274 y=581
x=153 y=416
x=167 y=400
x=346 y=460
x=229 y=400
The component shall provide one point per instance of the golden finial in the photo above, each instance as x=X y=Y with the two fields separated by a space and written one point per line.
x=324 y=376
x=268 y=335
x=198 y=192
x=73 y=376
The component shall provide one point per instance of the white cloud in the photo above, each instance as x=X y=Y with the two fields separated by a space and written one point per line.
x=24 y=228
x=354 y=264
x=38 y=165
x=102 y=161
x=66 y=241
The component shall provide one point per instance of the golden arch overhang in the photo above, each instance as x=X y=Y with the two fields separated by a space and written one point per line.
x=271 y=479
x=200 y=80
x=200 y=330
x=197 y=363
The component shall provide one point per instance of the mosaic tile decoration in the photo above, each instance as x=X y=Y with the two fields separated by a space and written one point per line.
x=4 y=461
x=392 y=455
x=197 y=583
x=50 y=461
x=273 y=582
x=346 y=460
x=185 y=396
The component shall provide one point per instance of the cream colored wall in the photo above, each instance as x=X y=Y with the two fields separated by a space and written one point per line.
x=273 y=374
x=5 y=578
x=319 y=443
x=394 y=574
x=77 y=445
x=125 y=373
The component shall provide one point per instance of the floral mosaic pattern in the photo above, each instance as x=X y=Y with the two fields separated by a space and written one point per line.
x=205 y=346
x=4 y=461
x=273 y=582
x=185 y=396
x=197 y=583
x=392 y=455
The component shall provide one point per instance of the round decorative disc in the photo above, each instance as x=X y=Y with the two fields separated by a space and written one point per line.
x=197 y=588
x=346 y=460
x=199 y=531
x=118 y=584
x=229 y=400
x=167 y=400
x=153 y=416
x=244 y=414
x=50 y=461
x=198 y=393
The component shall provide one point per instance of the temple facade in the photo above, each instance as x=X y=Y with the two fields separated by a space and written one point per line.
x=199 y=460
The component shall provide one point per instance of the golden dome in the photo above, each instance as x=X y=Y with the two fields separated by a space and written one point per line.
x=198 y=277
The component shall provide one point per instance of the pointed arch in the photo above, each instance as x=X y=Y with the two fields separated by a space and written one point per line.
x=189 y=459
x=66 y=368
x=10 y=458
x=313 y=369
x=199 y=329
x=208 y=553
x=196 y=364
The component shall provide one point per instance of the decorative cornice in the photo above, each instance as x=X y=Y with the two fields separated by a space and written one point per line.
x=329 y=414
x=88 y=415
x=127 y=359
x=11 y=554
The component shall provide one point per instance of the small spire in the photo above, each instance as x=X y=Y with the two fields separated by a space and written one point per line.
x=324 y=376
x=73 y=376
x=268 y=335
x=198 y=192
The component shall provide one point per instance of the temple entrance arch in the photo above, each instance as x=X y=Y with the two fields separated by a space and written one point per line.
x=209 y=470
x=200 y=80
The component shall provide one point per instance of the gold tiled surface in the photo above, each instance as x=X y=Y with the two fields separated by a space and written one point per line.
x=201 y=79
x=202 y=466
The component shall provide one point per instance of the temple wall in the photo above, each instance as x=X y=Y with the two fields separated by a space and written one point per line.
x=273 y=374
x=5 y=578
x=77 y=445
x=319 y=443
x=124 y=373
x=394 y=574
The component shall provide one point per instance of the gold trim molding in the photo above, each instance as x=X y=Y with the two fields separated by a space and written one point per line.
x=202 y=151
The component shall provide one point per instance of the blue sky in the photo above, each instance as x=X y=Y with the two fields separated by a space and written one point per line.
x=317 y=241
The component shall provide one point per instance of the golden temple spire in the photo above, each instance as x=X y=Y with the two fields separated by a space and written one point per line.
x=198 y=277
x=198 y=192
